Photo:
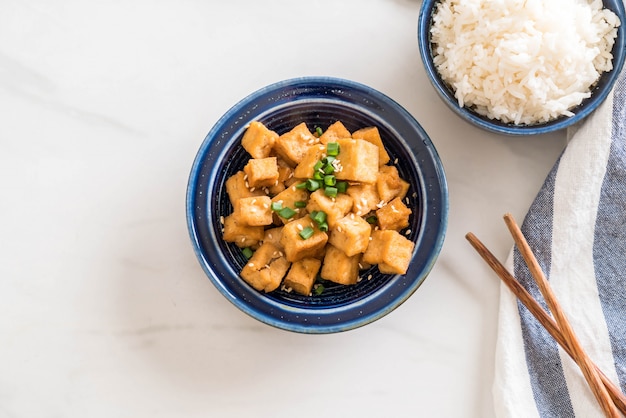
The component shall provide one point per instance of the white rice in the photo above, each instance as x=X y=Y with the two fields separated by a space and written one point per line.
x=522 y=61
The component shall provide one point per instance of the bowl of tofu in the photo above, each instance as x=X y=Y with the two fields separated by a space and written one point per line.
x=317 y=205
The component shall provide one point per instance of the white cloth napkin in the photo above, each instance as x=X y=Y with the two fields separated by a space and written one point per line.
x=577 y=229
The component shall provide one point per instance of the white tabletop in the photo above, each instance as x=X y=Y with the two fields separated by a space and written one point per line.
x=104 y=309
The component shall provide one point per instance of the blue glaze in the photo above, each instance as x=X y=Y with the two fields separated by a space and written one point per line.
x=318 y=101
x=599 y=92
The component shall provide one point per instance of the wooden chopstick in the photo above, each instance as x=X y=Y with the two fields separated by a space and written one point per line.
x=580 y=356
x=541 y=315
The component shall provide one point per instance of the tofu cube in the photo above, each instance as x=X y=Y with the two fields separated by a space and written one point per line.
x=364 y=198
x=335 y=208
x=272 y=235
x=358 y=159
x=237 y=188
x=292 y=146
x=404 y=189
x=334 y=132
x=371 y=135
x=351 y=234
x=266 y=268
x=288 y=198
x=389 y=184
x=394 y=215
x=258 y=140
x=304 y=169
x=390 y=250
x=240 y=233
x=340 y=268
x=254 y=211
x=297 y=248
x=302 y=275
x=285 y=176
x=261 y=172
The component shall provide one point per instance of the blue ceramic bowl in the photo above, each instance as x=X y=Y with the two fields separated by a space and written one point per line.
x=599 y=93
x=318 y=101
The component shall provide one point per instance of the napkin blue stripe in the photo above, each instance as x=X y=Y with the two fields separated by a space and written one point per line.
x=610 y=234
x=542 y=357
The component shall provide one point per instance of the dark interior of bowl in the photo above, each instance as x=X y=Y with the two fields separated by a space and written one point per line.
x=599 y=91
x=325 y=114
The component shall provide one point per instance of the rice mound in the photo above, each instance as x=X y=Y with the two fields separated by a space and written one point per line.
x=522 y=61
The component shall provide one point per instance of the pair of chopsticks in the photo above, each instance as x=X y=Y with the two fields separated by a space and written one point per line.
x=608 y=395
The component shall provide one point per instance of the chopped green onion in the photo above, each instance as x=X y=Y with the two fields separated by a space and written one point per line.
x=318 y=176
x=301 y=185
x=342 y=186
x=330 y=191
x=318 y=165
x=307 y=233
x=318 y=216
x=332 y=149
x=286 y=213
x=247 y=252
x=329 y=169
x=276 y=206
x=300 y=204
x=323 y=226
x=318 y=131
x=319 y=288
x=371 y=219
x=328 y=160
x=312 y=185
x=330 y=180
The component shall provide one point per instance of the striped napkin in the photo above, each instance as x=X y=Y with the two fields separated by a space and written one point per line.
x=577 y=229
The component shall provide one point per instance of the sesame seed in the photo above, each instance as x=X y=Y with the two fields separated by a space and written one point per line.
x=269 y=235
x=222 y=220
x=253 y=201
x=408 y=232
x=300 y=227
x=395 y=161
x=247 y=185
x=414 y=194
x=369 y=277
x=250 y=264
x=370 y=238
x=252 y=189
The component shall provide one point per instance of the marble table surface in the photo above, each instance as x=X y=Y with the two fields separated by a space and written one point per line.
x=104 y=309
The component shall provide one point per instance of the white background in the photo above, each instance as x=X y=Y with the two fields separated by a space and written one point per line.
x=104 y=310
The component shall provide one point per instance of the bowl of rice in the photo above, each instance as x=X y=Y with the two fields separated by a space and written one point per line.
x=518 y=67
x=262 y=269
